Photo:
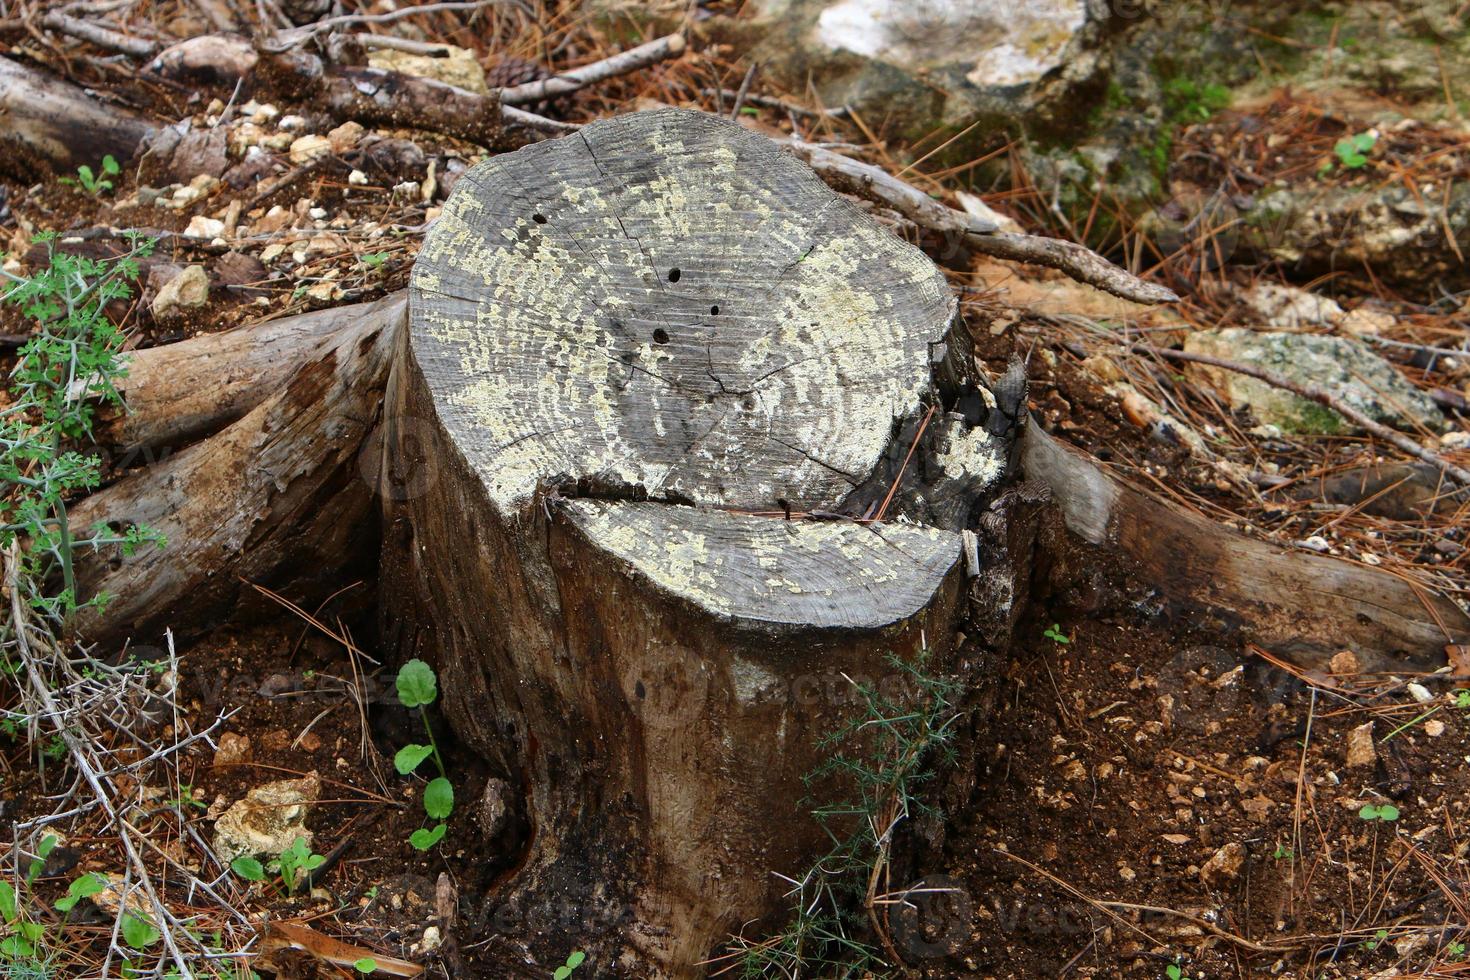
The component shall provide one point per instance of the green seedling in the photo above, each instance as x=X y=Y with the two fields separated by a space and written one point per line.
x=95 y=183
x=1352 y=152
x=298 y=861
x=1378 y=939
x=139 y=932
x=248 y=868
x=1054 y=633
x=573 y=961
x=375 y=260
x=418 y=688
x=86 y=886
x=1174 y=972
x=366 y=965
x=1385 y=812
x=1462 y=700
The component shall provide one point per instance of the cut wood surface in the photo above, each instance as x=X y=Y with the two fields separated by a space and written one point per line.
x=672 y=323
x=1306 y=605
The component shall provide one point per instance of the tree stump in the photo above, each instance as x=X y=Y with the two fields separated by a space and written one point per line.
x=655 y=376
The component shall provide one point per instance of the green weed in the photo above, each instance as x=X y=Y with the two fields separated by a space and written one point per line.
x=95 y=183
x=418 y=688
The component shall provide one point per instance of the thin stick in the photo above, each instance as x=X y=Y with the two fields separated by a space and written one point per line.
x=670 y=46
x=899 y=478
x=744 y=89
x=103 y=37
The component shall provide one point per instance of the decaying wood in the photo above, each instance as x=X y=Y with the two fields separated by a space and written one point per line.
x=1294 y=602
x=1079 y=262
x=47 y=123
x=178 y=393
x=276 y=497
x=671 y=321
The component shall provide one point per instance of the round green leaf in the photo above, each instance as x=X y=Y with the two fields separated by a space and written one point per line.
x=409 y=757
x=248 y=868
x=138 y=932
x=439 y=798
x=366 y=965
x=425 y=839
x=576 y=959
x=1388 y=812
x=416 y=684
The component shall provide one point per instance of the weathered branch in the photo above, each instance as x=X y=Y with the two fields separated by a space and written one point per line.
x=278 y=497
x=621 y=63
x=103 y=37
x=875 y=184
x=1294 y=601
x=178 y=393
x=49 y=123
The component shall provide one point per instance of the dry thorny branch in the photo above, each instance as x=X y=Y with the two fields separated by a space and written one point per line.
x=123 y=734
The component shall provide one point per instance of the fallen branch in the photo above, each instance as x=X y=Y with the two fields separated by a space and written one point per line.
x=52 y=123
x=1321 y=396
x=103 y=37
x=875 y=184
x=178 y=393
x=621 y=63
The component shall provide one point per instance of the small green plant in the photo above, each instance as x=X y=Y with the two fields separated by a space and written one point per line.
x=86 y=886
x=298 y=861
x=366 y=965
x=1353 y=151
x=1378 y=939
x=73 y=360
x=1385 y=812
x=375 y=260
x=1175 y=972
x=1456 y=950
x=248 y=868
x=418 y=688
x=1188 y=101
x=94 y=183
x=1462 y=700
x=1054 y=633
x=139 y=932
x=574 y=960
x=1282 y=853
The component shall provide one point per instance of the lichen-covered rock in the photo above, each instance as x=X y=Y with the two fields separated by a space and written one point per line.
x=920 y=63
x=268 y=820
x=458 y=67
x=1359 y=378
